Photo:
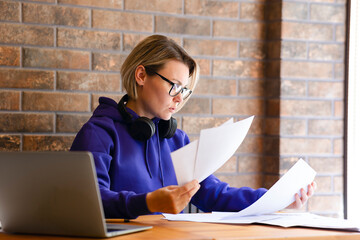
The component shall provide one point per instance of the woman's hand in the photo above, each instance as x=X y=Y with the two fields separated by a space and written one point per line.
x=171 y=199
x=300 y=201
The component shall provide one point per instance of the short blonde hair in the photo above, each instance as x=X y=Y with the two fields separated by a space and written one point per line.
x=153 y=53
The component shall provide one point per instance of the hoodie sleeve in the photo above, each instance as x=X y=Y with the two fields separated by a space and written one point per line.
x=215 y=195
x=123 y=204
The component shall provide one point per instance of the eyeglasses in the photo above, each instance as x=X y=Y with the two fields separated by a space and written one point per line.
x=176 y=88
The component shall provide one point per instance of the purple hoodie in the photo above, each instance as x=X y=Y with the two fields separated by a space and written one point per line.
x=128 y=169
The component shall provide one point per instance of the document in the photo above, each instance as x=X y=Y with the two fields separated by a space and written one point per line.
x=215 y=146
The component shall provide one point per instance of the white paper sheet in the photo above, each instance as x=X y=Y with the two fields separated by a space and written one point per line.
x=278 y=197
x=282 y=193
x=215 y=146
x=275 y=219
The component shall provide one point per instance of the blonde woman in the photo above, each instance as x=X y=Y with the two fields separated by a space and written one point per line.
x=131 y=141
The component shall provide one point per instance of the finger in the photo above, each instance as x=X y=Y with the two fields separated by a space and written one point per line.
x=310 y=190
x=194 y=184
x=298 y=203
x=314 y=185
x=304 y=196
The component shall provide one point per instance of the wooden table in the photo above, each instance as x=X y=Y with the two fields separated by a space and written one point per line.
x=163 y=229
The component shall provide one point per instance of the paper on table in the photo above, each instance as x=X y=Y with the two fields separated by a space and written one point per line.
x=279 y=196
x=282 y=193
x=215 y=146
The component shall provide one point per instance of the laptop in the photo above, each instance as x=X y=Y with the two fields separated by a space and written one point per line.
x=53 y=193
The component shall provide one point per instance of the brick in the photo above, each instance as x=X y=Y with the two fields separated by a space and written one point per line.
x=271 y=146
x=339 y=184
x=216 y=87
x=340 y=33
x=250 y=164
x=273 y=10
x=250 y=180
x=9 y=100
x=131 y=40
x=253 y=11
x=251 y=145
x=287 y=163
x=107 y=61
x=338 y=108
x=193 y=125
x=328 y=13
x=196 y=106
x=326 y=89
x=305 y=108
x=230 y=166
x=46 y=1
x=47 y=143
x=256 y=126
x=293 y=127
x=254 y=88
x=339 y=146
x=204 y=65
x=252 y=50
x=294 y=11
x=269 y=180
x=238 y=68
x=301 y=146
x=33 y=79
x=125 y=21
x=315 y=70
x=55 y=15
x=225 y=106
x=166 y=6
x=26 y=122
x=293 y=88
x=211 y=47
x=307 y=31
x=26 y=34
x=242 y=30
x=326 y=127
x=9 y=56
x=330 y=203
x=323 y=184
x=272 y=107
x=327 y=52
x=327 y=165
x=95 y=99
x=51 y=58
x=74 y=38
x=177 y=25
x=271 y=165
x=339 y=70
x=9 y=11
x=272 y=126
x=294 y=50
x=211 y=8
x=9 y=143
x=117 y=4
x=88 y=81
x=52 y=101
x=70 y=123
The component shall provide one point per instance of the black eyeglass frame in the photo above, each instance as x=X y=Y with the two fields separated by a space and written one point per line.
x=172 y=86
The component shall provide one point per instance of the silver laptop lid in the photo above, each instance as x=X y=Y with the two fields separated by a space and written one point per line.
x=50 y=193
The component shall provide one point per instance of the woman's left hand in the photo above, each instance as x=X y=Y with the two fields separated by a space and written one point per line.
x=300 y=201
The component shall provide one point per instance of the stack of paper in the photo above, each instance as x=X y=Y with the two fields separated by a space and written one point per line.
x=215 y=146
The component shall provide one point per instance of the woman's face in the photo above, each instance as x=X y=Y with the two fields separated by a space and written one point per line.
x=153 y=92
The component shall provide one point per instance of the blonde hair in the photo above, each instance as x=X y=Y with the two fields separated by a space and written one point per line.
x=153 y=52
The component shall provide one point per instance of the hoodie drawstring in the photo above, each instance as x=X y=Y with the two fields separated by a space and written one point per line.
x=146 y=158
x=159 y=152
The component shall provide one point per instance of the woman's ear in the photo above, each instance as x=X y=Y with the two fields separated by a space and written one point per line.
x=140 y=75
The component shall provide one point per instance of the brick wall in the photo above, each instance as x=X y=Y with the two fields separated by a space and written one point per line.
x=279 y=60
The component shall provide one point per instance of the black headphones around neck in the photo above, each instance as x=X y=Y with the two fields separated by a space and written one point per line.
x=144 y=128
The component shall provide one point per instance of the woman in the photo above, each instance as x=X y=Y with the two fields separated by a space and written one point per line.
x=131 y=141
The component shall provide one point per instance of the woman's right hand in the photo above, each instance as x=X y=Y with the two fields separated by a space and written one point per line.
x=171 y=199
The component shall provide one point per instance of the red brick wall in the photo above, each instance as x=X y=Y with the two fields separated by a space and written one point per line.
x=279 y=60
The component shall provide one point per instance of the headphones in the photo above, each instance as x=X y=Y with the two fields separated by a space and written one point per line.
x=144 y=128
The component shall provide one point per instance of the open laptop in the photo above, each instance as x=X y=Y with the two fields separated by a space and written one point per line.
x=53 y=193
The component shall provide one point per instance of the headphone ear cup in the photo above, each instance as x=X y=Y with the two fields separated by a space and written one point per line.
x=167 y=128
x=142 y=129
